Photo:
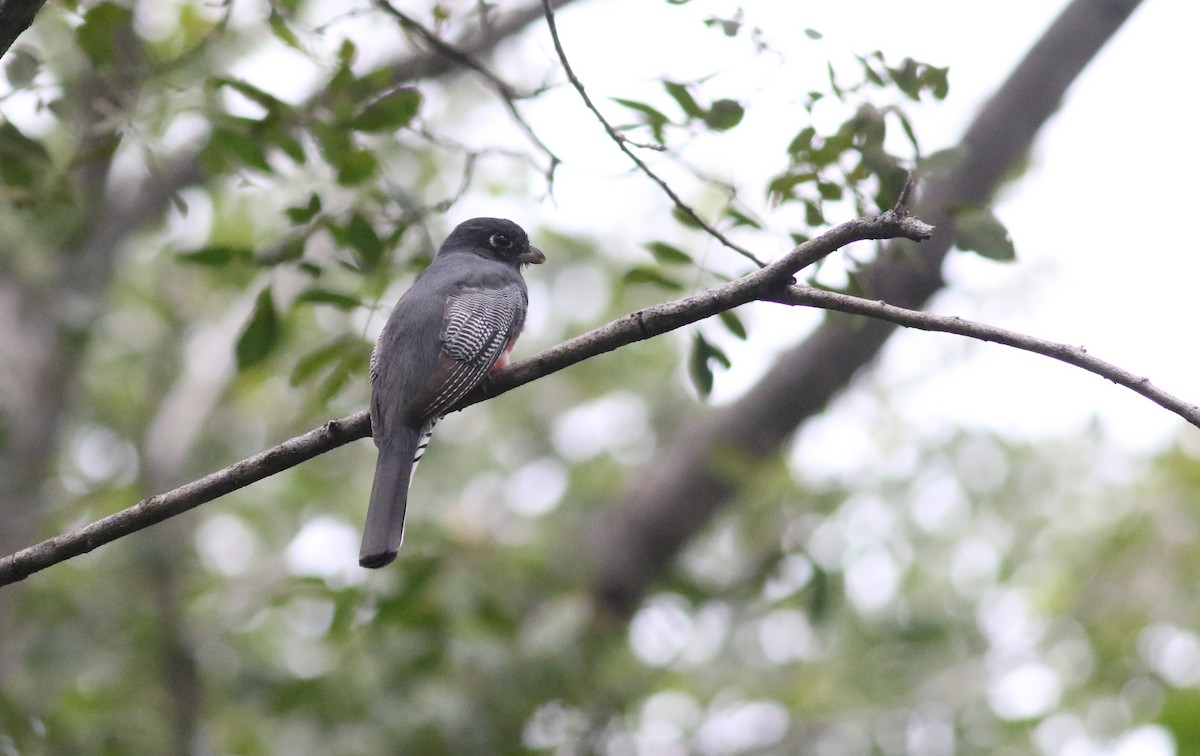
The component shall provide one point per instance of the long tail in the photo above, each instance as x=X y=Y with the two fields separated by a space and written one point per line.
x=389 y=496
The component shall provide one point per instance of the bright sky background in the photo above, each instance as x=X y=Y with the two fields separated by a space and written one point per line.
x=1100 y=262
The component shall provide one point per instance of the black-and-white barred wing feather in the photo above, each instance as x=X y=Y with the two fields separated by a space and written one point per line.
x=477 y=326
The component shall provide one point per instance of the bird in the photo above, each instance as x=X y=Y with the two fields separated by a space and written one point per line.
x=455 y=326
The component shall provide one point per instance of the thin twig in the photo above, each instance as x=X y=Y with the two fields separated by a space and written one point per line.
x=764 y=284
x=925 y=321
x=623 y=143
x=502 y=88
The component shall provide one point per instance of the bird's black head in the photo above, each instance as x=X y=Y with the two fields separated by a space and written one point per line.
x=493 y=237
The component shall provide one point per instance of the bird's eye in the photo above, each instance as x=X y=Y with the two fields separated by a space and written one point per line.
x=500 y=241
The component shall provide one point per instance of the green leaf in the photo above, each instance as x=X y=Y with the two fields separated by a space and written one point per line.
x=102 y=26
x=668 y=255
x=652 y=115
x=829 y=190
x=938 y=81
x=216 y=255
x=783 y=188
x=333 y=142
x=261 y=334
x=392 y=111
x=724 y=115
x=802 y=142
x=643 y=274
x=699 y=369
x=22 y=160
x=813 y=34
x=300 y=215
x=230 y=143
x=907 y=78
x=980 y=232
x=680 y=94
x=653 y=118
x=703 y=353
x=346 y=54
x=728 y=26
x=833 y=85
x=355 y=358
x=267 y=101
x=21 y=68
x=732 y=322
x=328 y=297
x=906 y=126
x=283 y=32
x=869 y=72
x=812 y=213
x=288 y=249
x=719 y=355
x=741 y=219
x=315 y=361
x=278 y=135
x=685 y=219
x=360 y=237
x=892 y=179
x=353 y=164
x=356 y=166
x=830 y=149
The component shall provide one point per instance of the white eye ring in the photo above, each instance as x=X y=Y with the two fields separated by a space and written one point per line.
x=500 y=241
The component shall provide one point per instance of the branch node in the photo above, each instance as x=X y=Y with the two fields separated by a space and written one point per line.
x=901 y=207
x=641 y=324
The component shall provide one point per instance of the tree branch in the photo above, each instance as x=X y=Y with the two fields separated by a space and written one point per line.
x=15 y=18
x=623 y=143
x=767 y=283
x=503 y=89
x=1072 y=355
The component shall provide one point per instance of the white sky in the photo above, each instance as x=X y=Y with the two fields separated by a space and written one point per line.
x=1100 y=262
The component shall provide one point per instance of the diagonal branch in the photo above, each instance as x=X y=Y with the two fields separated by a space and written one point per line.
x=623 y=143
x=768 y=283
x=925 y=321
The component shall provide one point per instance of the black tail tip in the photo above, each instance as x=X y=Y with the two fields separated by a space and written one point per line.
x=375 y=561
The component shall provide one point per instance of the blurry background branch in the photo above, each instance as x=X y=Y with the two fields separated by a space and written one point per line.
x=679 y=494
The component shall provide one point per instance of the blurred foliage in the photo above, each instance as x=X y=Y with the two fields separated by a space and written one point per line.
x=968 y=594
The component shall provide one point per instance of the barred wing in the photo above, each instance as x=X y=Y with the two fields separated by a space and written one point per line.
x=478 y=325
